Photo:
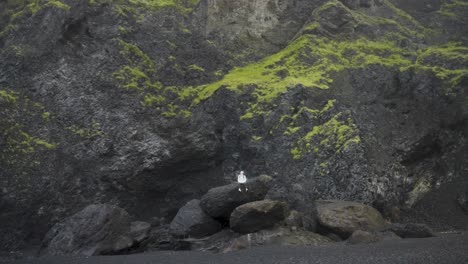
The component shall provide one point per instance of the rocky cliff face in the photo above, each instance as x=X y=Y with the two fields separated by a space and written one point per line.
x=147 y=104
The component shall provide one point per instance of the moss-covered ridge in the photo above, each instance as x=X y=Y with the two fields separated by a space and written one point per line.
x=312 y=58
x=310 y=61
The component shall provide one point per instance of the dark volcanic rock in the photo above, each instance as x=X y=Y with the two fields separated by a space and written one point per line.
x=255 y=216
x=463 y=200
x=343 y=217
x=192 y=221
x=412 y=230
x=278 y=236
x=219 y=202
x=362 y=237
x=139 y=231
x=97 y=229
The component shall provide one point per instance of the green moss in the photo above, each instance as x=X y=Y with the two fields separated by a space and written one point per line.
x=256 y=138
x=140 y=76
x=336 y=134
x=137 y=7
x=151 y=100
x=86 y=133
x=8 y=96
x=291 y=130
x=309 y=61
x=20 y=150
x=453 y=9
x=196 y=68
x=46 y=116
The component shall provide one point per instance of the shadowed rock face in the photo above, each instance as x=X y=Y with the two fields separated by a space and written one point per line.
x=255 y=216
x=97 y=229
x=191 y=221
x=150 y=106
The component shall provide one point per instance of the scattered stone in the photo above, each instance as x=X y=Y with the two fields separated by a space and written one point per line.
x=255 y=216
x=412 y=230
x=192 y=221
x=363 y=237
x=279 y=236
x=219 y=202
x=139 y=230
x=343 y=217
x=98 y=229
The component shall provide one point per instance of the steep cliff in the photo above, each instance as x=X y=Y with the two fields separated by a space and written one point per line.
x=147 y=104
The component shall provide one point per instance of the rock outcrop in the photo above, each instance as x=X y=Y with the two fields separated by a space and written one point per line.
x=412 y=230
x=97 y=229
x=255 y=216
x=343 y=217
x=219 y=202
x=192 y=221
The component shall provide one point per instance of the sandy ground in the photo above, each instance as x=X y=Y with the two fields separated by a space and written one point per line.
x=445 y=248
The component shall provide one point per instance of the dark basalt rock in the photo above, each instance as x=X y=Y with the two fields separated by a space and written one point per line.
x=280 y=237
x=254 y=216
x=412 y=230
x=362 y=237
x=192 y=221
x=219 y=202
x=343 y=217
x=463 y=200
x=98 y=229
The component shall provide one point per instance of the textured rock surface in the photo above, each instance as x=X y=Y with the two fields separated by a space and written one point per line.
x=139 y=231
x=278 y=236
x=362 y=237
x=219 y=202
x=412 y=230
x=255 y=216
x=148 y=106
x=97 y=229
x=192 y=221
x=343 y=218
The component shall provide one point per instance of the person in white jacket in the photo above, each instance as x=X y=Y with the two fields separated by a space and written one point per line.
x=242 y=179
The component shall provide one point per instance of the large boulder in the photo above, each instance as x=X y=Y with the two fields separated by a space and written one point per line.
x=412 y=230
x=219 y=202
x=192 y=221
x=255 y=216
x=97 y=229
x=279 y=236
x=343 y=217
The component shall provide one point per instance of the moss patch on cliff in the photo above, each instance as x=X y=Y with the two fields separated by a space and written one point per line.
x=311 y=61
x=20 y=146
x=139 y=75
x=136 y=7
x=453 y=9
x=329 y=134
x=11 y=10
